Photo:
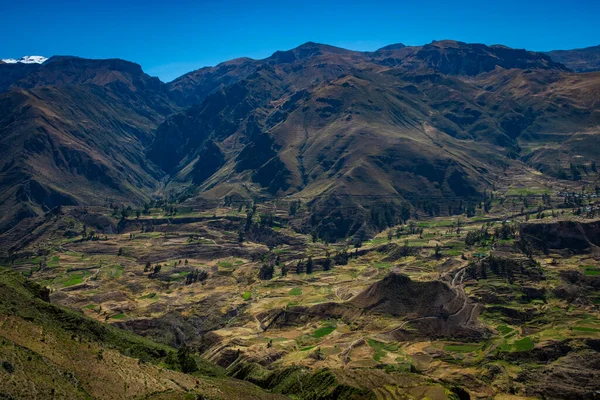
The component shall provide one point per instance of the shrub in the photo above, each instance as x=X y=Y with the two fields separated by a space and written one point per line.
x=8 y=367
x=266 y=272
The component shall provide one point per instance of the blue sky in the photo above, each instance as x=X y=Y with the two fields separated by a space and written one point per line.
x=169 y=38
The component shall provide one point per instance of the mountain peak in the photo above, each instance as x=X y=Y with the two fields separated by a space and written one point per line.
x=305 y=51
x=323 y=48
x=26 y=60
x=394 y=46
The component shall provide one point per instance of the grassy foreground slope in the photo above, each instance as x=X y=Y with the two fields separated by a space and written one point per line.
x=47 y=351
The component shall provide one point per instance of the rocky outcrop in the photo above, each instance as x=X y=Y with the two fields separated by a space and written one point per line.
x=577 y=236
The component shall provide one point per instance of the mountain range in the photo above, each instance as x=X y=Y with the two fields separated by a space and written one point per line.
x=419 y=125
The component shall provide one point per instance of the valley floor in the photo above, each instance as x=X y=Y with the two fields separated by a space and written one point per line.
x=441 y=307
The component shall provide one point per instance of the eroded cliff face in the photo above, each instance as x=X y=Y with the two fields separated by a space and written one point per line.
x=561 y=235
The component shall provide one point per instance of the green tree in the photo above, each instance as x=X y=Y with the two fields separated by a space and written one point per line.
x=299 y=267
x=412 y=225
x=327 y=263
x=404 y=212
x=399 y=231
x=314 y=236
x=294 y=206
x=186 y=360
x=266 y=272
x=470 y=210
x=309 y=265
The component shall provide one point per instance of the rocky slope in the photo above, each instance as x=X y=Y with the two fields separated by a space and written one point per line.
x=49 y=351
x=73 y=131
x=578 y=60
x=428 y=126
x=321 y=123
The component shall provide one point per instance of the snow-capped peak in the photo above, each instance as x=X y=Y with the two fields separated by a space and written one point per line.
x=26 y=60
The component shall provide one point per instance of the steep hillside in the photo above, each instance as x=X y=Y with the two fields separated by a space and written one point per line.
x=308 y=64
x=11 y=73
x=330 y=125
x=578 y=60
x=433 y=126
x=47 y=351
x=193 y=87
x=73 y=131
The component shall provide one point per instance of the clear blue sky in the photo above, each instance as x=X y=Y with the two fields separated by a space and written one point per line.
x=169 y=38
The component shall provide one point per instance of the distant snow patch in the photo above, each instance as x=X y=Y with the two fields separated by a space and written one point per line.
x=26 y=60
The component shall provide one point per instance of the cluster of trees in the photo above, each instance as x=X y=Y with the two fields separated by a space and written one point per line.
x=327 y=263
x=259 y=231
x=505 y=231
x=170 y=210
x=147 y=227
x=341 y=257
x=575 y=171
x=153 y=271
x=573 y=199
x=183 y=360
x=540 y=213
x=430 y=207
x=197 y=275
x=477 y=237
x=411 y=229
x=193 y=276
x=267 y=219
x=267 y=270
x=164 y=204
x=294 y=207
x=388 y=214
x=90 y=235
x=588 y=212
x=307 y=266
x=229 y=201
x=121 y=212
